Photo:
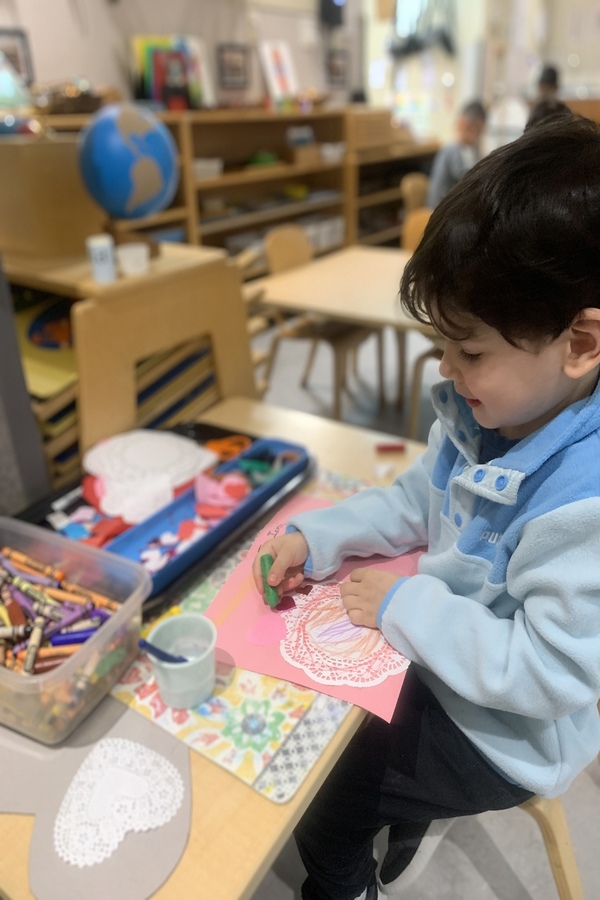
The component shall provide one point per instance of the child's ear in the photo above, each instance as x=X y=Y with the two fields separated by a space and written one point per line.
x=584 y=343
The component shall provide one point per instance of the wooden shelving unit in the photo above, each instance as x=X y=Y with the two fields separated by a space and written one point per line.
x=166 y=217
x=246 y=199
x=275 y=214
x=379 y=156
x=361 y=186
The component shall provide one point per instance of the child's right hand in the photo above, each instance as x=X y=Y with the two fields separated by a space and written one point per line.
x=289 y=552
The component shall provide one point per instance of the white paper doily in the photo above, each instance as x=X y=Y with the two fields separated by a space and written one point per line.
x=121 y=786
x=137 y=471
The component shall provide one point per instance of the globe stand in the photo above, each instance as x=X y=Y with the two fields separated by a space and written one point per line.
x=129 y=237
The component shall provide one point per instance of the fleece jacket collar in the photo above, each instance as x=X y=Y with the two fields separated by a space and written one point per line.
x=571 y=425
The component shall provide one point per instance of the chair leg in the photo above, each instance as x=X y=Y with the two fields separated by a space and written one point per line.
x=271 y=360
x=401 y=352
x=380 y=367
x=550 y=816
x=416 y=388
x=340 y=362
x=309 y=362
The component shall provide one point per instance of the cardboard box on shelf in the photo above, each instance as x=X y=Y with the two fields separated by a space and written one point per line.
x=45 y=209
x=304 y=155
x=370 y=128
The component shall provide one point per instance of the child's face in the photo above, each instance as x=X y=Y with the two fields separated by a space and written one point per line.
x=513 y=389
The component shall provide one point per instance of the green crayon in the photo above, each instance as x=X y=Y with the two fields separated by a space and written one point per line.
x=271 y=595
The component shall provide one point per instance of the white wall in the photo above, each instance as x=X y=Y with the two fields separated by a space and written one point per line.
x=574 y=45
x=69 y=38
x=425 y=90
x=90 y=37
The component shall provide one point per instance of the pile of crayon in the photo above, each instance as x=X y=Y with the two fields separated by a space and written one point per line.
x=43 y=616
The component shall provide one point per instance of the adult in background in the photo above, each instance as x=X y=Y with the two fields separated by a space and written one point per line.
x=548 y=83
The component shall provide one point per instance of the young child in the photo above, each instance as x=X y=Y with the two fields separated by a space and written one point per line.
x=502 y=621
x=456 y=158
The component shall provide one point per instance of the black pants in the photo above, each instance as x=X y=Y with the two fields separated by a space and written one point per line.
x=405 y=774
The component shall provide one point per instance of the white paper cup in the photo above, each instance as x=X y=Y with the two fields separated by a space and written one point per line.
x=186 y=684
x=101 y=254
x=134 y=258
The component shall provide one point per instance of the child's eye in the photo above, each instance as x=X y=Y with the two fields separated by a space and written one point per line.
x=468 y=357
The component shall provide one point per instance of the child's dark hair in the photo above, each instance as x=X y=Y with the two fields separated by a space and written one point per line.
x=516 y=243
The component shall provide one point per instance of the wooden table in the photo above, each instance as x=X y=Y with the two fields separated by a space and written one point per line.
x=236 y=833
x=72 y=276
x=357 y=284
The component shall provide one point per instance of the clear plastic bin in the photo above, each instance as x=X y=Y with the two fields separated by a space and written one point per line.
x=49 y=706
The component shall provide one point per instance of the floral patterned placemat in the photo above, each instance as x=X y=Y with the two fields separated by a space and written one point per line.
x=265 y=731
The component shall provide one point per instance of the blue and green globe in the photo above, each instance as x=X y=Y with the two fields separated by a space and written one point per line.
x=128 y=161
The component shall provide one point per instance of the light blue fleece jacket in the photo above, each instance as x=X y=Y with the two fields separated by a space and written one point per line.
x=503 y=617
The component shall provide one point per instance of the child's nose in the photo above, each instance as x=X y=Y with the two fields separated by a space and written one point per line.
x=445 y=367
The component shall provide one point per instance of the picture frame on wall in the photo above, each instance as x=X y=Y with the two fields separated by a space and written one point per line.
x=233 y=66
x=171 y=69
x=170 y=80
x=279 y=71
x=14 y=44
x=337 y=68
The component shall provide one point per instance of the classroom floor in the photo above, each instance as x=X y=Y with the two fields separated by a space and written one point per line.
x=359 y=404
x=495 y=856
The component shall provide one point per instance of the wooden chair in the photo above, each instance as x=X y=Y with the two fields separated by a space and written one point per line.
x=111 y=335
x=551 y=819
x=259 y=317
x=414 y=226
x=287 y=247
x=413 y=189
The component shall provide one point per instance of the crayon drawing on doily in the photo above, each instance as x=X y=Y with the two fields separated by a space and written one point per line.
x=321 y=640
x=309 y=639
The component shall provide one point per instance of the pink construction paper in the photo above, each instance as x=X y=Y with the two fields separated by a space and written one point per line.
x=252 y=633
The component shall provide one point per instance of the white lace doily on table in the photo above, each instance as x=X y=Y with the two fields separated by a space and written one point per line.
x=136 y=472
x=121 y=786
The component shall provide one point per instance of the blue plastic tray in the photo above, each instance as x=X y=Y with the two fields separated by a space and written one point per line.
x=135 y=540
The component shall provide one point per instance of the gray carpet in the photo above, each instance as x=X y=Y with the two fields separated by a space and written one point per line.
x=495 y=856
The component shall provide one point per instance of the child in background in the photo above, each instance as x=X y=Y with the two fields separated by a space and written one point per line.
x=455 y=159
x=502 y=621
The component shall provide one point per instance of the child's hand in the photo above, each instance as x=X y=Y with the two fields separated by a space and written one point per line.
x=289 y=552
x=364 y=593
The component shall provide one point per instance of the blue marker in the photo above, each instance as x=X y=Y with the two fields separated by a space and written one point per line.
x=161 y=654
